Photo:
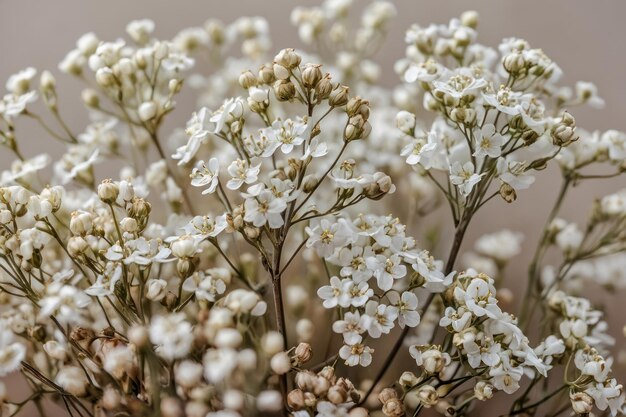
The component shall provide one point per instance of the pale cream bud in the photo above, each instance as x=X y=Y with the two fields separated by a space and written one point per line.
x=47 y=81
x=138 y=335
x=73 y=380
x=148 y=110
x=280 y=363
x=90 y=98
x=272 y=342
x=105 y=77
x=288 y=58
x=269 y=401
x=305 y=330
x=183 y=247
x=247 y=79
x=108 y=191
x=80 y=223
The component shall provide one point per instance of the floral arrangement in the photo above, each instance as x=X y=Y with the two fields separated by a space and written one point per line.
x=248 y=264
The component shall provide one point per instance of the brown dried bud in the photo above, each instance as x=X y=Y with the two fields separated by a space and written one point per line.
x=339 y=96
x=323 y=88
x=358 y=106
x=311 y=75
x=303 y=353
x=284 y=90
x=393 y=408
x=337 y=395
x=507 y=193
x=295 y=399
x=387 y=395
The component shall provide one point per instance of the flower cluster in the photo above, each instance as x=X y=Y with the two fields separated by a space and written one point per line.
x=241 y=264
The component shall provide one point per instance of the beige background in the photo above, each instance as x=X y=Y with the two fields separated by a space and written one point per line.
x=586 y=38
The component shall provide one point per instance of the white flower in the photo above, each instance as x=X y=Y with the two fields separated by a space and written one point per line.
x=19 y=83
x=407 y=308
x=464 y=177
x=488 y=142
x=315 y=149
x=241 y=172
x=172 y=334
x=386 y=269
x=382 y=316
x=609 y=394
x=352 y=326
x=327 y=236
x=356 y=353
x=328 y=409
x=219 y=364
x=420 y=151
x=288 y=133
x=501 y=246
x=203 y=175
x=332 y=294
x=513 y=173
x=198 y=132
x=265 y=208
x=205 y=286
x=353 y=263
x=202 y=227
x=11 y=353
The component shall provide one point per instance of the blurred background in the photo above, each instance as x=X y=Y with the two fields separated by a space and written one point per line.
x=586 y=39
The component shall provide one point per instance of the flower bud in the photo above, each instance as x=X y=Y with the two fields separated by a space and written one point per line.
x=339 y=96
x=514 y=63
x=148 y=110
x=47 y=81
x=129 y=225
x=80 y=223
x=280 y=72
x=272 y=343
x=247 y=79
x=358 y=106
x=266 y=74
x=295 y=399
x=155 y=289
x=323 y=88
x=183 y=247
x=280 y=363
x=90 y=98
x=405 y=121
x=564 y=132
x=303 y=353
x=483 y=390
x=105 y=77
x=285 y=90
x=269 y=401
x=508 y=193
x=311 y=75
x=305 y=329
x=288 y=58
x=408 y=379
x=77 y=246
x=387 y=394
x=108 y=191
x=470 y=19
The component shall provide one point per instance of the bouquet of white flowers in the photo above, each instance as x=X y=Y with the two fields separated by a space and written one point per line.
x=247 y=264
